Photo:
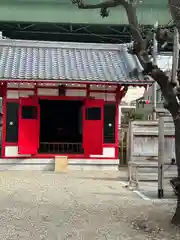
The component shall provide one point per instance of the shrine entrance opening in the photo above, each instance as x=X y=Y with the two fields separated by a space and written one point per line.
x=60 y=126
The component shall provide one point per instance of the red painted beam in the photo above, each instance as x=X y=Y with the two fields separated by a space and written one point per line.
x=70 y=88
x=88 y=90
x=120 y=93
x=64 y=81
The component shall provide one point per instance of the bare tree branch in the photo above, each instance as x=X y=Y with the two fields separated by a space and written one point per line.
x=170 y=91
x=130 y=10
x=105 y=4
x=140 y=47
x=133 y=22
x=167 y=89
x=142 y=53
x=174 y=6
x=140 y=43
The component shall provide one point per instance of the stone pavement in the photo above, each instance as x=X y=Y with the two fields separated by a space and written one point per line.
x=77 y=205
x=148 y=181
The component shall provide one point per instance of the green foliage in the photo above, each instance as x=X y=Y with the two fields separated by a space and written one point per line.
x=132 y=116
x=136 y=116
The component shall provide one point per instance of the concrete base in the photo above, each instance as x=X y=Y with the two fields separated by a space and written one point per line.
x=93 y=167
x=49 y=164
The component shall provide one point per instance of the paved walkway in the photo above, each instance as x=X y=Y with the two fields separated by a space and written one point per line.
x=77 y=205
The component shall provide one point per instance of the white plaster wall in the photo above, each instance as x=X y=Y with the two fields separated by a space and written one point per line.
x=100 y=87
x=47 y=92
x=12 y=85
x=108 y=152
x=26 y=93
x=104 y=96
x=13 y=94
x=20 y=85
x=75 y=93
x=111 y=97
x=12 y=151
x=75 y=85
x=26 y=85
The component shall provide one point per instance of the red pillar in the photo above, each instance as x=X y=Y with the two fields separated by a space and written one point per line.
x=87 y=90
x=3 y=140
x=120 y=93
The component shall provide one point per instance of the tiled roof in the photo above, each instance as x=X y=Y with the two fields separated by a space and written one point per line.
x=35 y=60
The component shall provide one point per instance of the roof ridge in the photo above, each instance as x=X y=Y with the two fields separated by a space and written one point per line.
x=67 y=45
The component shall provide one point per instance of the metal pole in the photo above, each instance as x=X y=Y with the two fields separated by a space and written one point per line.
x=161 y=148
x=154 y=86
x=175 y=56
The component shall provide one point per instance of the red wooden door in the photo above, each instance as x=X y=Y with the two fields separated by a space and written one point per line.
x=29 y=129
x=93 y=119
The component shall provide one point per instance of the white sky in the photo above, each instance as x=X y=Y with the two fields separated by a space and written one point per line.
x=133 y=93
x=164 y=62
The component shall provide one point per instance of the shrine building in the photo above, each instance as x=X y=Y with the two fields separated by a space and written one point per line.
x=62 y=98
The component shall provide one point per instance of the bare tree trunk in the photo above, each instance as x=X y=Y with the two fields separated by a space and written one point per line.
x=171 y=92
x=174 y=6
x=176 y=217
x=172 y=104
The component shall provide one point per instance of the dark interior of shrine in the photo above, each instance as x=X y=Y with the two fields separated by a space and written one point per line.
x=60 y=126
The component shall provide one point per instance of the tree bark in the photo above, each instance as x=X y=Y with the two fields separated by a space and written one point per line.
x=174 y=6
x=169 y=90
x=176 y=217
x=105 y=4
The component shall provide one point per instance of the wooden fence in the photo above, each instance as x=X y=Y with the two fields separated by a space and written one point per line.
x=142 y=140
x=123 y=133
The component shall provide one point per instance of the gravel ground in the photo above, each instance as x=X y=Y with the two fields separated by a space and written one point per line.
x=78 y=205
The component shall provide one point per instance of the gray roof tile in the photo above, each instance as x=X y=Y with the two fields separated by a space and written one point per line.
x=20 y=59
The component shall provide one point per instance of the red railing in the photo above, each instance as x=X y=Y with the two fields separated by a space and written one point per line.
x=51 y=147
